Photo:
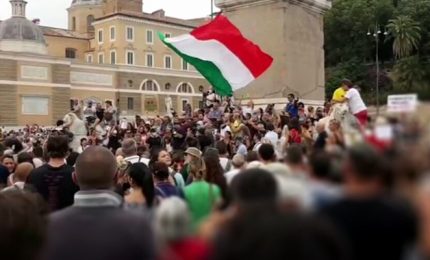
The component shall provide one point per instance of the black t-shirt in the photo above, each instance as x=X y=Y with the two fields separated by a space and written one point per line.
x=376 y=228
x=55 y=185
x=4 y=173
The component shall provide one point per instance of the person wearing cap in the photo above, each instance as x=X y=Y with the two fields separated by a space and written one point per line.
x=192 y=153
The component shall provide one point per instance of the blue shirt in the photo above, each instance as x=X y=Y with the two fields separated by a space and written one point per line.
x=292 y=109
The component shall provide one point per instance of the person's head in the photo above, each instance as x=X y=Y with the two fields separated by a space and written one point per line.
x=57 y=147
x=291 y=97
x=192 y=153
x=197 y=168
x=266 y=153
x=294 y=155
x=95 y=169
x=222 y=148
x=251 y=156
x=140 y=177
x=108 y=103
x=320 y=164
x=38 y=152
x=59 y=123
x=160 y=171
x=24 y=157
x=346 y=84
x=259 y=232
x=264 y=187
x=213 y=167
x=8 y=162
x=172 y=220
x=129 y=147
x=161 y=155
x=14 y=144
x=22 y=225
x=238 y=161
x=320 y=127
x=270 y=127
x=311 y=109
x=22 y=171
x=362 y=164
x=84 y=142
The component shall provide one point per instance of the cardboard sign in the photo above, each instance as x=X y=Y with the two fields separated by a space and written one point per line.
x=402 y=103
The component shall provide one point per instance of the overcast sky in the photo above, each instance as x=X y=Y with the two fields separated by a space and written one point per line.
x=53 y=12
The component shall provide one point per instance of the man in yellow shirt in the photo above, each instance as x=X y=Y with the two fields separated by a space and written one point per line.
x=339 y=93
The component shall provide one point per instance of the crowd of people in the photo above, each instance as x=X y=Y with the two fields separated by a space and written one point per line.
x=229 y=181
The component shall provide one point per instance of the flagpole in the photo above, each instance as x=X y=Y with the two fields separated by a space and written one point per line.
x=212 y=9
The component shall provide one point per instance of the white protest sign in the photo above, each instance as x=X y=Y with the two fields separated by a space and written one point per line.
x=406 y=103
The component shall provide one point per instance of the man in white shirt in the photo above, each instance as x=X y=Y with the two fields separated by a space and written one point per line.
x=129 y=149
x=356 y=104
x=238 y=164
x=271 y=134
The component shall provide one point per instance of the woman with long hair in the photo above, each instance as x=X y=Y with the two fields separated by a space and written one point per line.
x=163 y=187
x=161 y=155
x=201 y=196
x=141 y=193
x=214 y=171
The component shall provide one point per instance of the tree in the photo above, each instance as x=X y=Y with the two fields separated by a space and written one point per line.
x=407 y=35
x=410 y=73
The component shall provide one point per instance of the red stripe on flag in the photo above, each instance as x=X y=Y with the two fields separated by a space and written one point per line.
x=222 y=30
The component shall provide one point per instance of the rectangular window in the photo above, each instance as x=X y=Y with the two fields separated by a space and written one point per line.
x=168 y=62
x=112 y=33
x=149 y=60
x=149 y=37
x=35 y=106
x=130 y=103
x=89 y=58
x=129 y=33
x=101 y=58
x=70 y=53
x=113 y=57
x=184 y=65
x=100 y=36
x=130 y=57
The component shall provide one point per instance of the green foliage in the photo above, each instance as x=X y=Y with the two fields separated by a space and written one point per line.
x=411 y=73
x=406 y=33
x=350 y=53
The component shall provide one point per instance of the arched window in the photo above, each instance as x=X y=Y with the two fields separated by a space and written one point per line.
x=185 y=88
x=90 y=20
x=73 y=23
x=150 y=86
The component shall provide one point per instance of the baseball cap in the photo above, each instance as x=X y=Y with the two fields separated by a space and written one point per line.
x=194 y=152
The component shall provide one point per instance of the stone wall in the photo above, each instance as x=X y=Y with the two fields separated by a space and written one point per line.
x=8 y=69
x=60 y=103
x=8 y=105
x=292 y=33
x=60 y=74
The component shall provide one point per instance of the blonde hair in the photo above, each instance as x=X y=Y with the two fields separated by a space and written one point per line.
x=198 y=168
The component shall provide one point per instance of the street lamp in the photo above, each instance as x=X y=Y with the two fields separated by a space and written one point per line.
x=376 y=33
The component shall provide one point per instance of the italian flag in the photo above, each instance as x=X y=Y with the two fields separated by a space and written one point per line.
x=221 y=54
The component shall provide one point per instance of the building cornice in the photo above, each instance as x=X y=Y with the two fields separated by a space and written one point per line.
x=142 y=20
x=318 y=6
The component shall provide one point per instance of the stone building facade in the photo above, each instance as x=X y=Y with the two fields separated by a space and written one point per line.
x=111 y=51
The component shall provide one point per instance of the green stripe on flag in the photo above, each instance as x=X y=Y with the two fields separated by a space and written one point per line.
x=209 y=70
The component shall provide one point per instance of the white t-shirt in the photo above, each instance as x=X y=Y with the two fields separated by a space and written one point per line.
x=273 y=137
x=355 y=102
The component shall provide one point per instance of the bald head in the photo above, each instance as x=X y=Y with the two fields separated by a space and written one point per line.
x=95 y=168
x=129 y=147
x=23 y=170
